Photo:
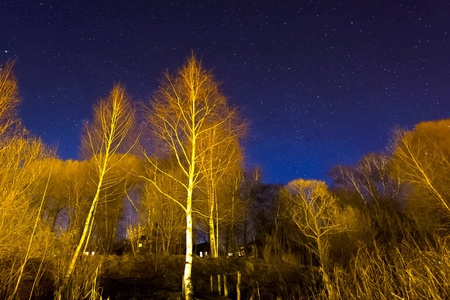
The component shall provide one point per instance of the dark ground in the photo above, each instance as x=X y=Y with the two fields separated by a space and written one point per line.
x=146 y=277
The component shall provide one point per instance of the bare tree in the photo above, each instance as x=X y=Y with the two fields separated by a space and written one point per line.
x=187 y=107
x=112 y=198
x=9 y=97
x=422 y=158
x=24 y=166
x=370 y=177
x=161 y=220
x=113 y=118
x=23 y=171
x=71 y=195
x=312 y=208
x=222 y=157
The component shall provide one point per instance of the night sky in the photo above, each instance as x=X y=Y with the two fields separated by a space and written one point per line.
x=320 y=82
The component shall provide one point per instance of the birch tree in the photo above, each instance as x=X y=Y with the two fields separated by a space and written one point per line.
x=113 y=119
x=222 y=156
x=187 y=107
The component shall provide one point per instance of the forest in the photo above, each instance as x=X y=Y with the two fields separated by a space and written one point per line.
x=161 y=202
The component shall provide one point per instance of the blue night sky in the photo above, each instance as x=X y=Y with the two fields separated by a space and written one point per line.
x=320 y=82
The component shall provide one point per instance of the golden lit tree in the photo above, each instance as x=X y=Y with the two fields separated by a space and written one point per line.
x=187 y=107
x=70 y=195
x=23 y=173
x=221 y=157
x=422 y=158
x=113 y=119
x=25 y=164
x=313 y=209
x=161 y=220
x=9 y=97
x=112 y=198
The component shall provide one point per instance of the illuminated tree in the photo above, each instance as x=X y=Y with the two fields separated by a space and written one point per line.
x=70 y=195
x=9 y=97
x=422 y=158
x=222 y=157
x=161 y=220
x=113 y=119
x=24 y=170
x=25 y=164
x=187 y=107
x=313 y=209
x=112 y=198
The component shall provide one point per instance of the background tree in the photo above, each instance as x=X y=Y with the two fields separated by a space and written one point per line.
x=187 y=107
x=161 y=220
x=70 y=196
x=232 y=209
x=370 y=178
x=222 y=157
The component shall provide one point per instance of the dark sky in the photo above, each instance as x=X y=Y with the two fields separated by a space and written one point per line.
x=320 y=82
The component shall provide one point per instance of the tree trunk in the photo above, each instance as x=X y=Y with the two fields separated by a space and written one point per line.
x=217 y=225
x=188 y=287
x=87 y=225
x=212 y=233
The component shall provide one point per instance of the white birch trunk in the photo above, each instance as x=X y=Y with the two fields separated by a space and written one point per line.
x=212 y=233
x=188 y=288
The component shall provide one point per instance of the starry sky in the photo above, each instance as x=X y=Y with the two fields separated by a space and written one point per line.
x=320 y=82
